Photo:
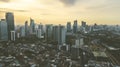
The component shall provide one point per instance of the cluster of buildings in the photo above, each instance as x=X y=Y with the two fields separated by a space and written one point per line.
x=56 y=32
x=72 y=47
x=7 y=27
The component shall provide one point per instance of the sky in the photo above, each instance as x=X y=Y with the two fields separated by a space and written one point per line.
x=62 y=11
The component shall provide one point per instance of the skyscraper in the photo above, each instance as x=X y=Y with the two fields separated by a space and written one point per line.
x=10 y=23
x=83 y=24
x=26 y=28
x=22 y=31
x=61 y=35
x=38 y=33
x=49 y=28
x=32 y=26
x=68 y=26
x=55 y=33
x=75 y=27
x=3 y=30
x=40 y=26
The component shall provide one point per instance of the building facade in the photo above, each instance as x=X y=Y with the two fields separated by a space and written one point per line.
x=10 y=23
x=12 y=35
x=32 y=26
x=3 y=30
x=61 y=35
x=38 y=33
x=26 y=29
x=49 y=33
x=69 y=27
x=55 y=33
x=75 y=27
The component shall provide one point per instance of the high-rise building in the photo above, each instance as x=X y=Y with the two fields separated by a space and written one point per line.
x=75 y=27
x=3 y=30
x=79 y=42
x=38 y=33
x=12 y=35
x=26 y=28
x=49 y=28
x=40 y=26
x=55 y=33
x=68 y=26
x=18 y=35
x=22 y=31
x=10 y=23
x=95 y=27
x=32 y=26
x=83 y=24
x=61 y=35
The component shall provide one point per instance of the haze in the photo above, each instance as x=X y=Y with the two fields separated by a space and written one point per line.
x=61 y=11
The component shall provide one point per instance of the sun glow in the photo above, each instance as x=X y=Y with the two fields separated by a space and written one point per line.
x=28 y=1
x=53 y=11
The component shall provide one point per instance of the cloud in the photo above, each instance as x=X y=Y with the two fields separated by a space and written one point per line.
x=11 y=10
x=5 y=0
x=68 y=2
x=98 y=6
x=104 y=4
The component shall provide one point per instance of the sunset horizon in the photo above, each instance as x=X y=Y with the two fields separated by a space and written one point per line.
x=62 y=11
x=59 y=33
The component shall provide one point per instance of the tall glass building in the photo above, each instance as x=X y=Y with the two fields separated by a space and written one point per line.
x=61 y=35
x=26 y=28
x=32 y=26
x=68 y=26
x=55 y=33
x=75 y=27
x=10 y=23
x=49 y=28
x=40 y=26
x=3 y=30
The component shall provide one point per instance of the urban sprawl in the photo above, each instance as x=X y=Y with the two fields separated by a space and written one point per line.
x=77 y=45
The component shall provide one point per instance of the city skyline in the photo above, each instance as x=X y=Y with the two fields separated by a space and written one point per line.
x=50 y=45
x=62 y=11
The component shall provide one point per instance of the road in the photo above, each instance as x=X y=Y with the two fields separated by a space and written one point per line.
x=112 y=59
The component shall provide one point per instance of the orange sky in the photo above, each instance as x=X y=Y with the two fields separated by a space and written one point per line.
x=61 y=11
